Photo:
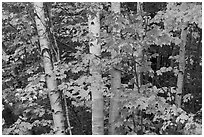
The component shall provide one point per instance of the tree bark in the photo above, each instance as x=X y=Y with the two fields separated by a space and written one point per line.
x=97 y=94
x=180 y=79
x=114 y=106
x=4 y=52
x=140 y=53
x=54 y=96
x=56 y=58
x=53 y=41
x=173 y=54
x=115 y=86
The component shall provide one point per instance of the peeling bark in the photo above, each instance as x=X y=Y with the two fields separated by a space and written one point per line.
x=140 y=51
x=54 y=95
x=115 y=86
x=97 y=94
x=180 y=79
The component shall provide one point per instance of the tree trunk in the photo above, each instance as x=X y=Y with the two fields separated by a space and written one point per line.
x=53 y=42
x=138 y=73
x=56 y=58
x=54 y=96
x=4 y=55
x=114 y=107
x=115 y=86
x=158 y=61
x=97 y=94
x=140 y=53
x=180 y=79
x=173 y=54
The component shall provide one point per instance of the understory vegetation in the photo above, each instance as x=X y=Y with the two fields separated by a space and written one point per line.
x=127 y=68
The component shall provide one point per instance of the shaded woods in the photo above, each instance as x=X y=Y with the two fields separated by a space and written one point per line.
x=109 y=68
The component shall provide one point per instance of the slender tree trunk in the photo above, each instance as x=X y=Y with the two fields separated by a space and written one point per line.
x=97 y=94
x=115 y=86
x=140 y=51
x=114 y=102
x=180 y=79
x=66 y=112
x=56 y=58
x=199 y=53
x=4 y=52
x=54 y=96
x=139 y=79
x=173 y=54
x=53 y=42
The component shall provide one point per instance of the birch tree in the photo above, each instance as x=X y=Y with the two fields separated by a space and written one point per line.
x=54 y=95
x=139 y=55
x=115 y=85
x=180 y=79
x=97 y=94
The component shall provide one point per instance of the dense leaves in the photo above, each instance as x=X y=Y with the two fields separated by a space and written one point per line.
x=149 y=39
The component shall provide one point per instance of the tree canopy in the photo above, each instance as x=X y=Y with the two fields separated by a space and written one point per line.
x=67 y=67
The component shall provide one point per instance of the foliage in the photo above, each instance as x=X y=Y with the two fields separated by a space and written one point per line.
x=148 y=109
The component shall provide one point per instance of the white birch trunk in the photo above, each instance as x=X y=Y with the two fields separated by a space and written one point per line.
x=180 y=79
x=54 y=96
x=115 y=86
x=139 y=55
x=97 y=94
